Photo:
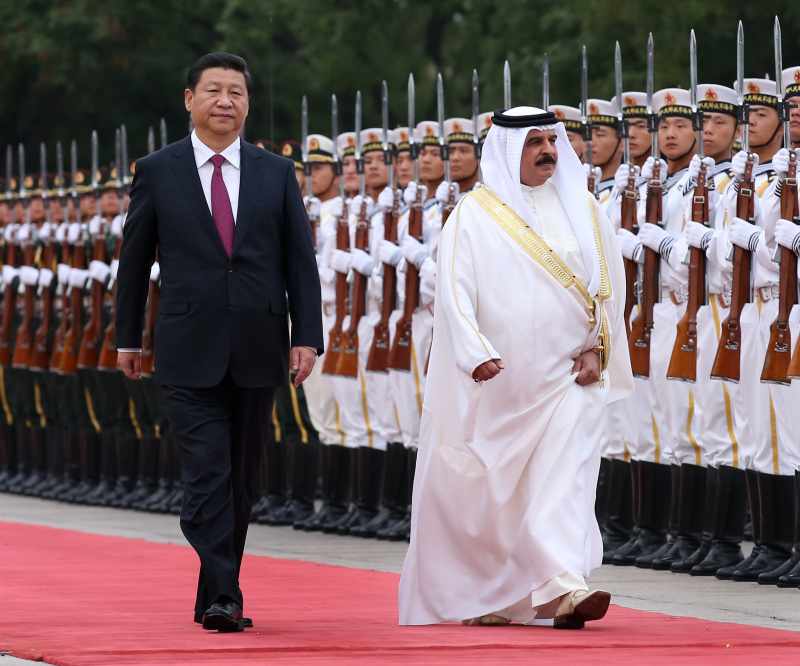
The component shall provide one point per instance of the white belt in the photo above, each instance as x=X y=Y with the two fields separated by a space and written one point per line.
x=768 y=292
x=677 y=296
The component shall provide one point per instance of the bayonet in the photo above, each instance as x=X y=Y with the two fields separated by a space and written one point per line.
x=506 y=85
x=43 y=171
x=387 y=151
x=440 y=117
x=151 y=140
x=125 y=171
x=9 y=170
x=696 y=112
x=587 y=130
x=787 y=140
x=60 y=170
x=652 y=118
x=73 y=167
x=95 y=163
x=359 y=159
x=163 y=128
x=21 y=165
x=623 y=126
x=546 y=82
x=337 y=164
x=744 y=111
x=412 y=127
x=304 y=142
x=476 y=111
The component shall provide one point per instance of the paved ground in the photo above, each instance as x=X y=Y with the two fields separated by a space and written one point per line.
x=746 y=603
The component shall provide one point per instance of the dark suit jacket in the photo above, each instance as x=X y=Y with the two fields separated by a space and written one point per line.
x=218 y=314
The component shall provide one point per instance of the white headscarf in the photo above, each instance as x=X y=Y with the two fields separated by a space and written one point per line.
x=500 y=166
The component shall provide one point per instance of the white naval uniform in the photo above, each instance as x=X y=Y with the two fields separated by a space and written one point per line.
x=318 y=388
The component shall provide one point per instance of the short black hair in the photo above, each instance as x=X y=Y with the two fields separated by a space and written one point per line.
x=222 y=60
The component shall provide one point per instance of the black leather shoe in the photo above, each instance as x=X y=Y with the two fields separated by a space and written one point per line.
x=770 y=557
x=247 y=623
x=771 y=577
x=790 y=579
x=726 y=572
x=647 y=542
x=721 y=555
x=663 y=556
x=690 y=558
x=224 y=617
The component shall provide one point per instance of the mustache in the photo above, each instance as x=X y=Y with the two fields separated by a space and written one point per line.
x=546 y=159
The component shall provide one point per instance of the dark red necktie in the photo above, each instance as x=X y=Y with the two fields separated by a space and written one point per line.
x=221 y=209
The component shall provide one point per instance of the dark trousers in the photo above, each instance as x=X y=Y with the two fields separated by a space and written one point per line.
x=220 y=431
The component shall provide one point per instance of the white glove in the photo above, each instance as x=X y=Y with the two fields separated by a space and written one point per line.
x=694 y=166
x=739 y=162
x=74 y=232
x=427 y=281
x=780 y=162
x=444 y=189
x=95 y=224
x=787 y=234
x=588 y=170
x=647 y=169
x=744 y=235
x=10 y=232
x=24 y=232
x=155 y=272
x=386 y=199
x=414 y=251
x=99 y=271
x=116 y=226
x=29 y=276
x=410 y=193
x=389 y=253
x=45 y=231
x=337 y=207
x=630 y=245
x=9 y=273
x=45 y=277
x=78 y=277
x=61 y=232
x=312 y=205
x=362 y=262
x=63 y=273
x=622 y=175
x=654 y=237
x=341 y=261
x=114 y=269
x=355 y=205
x=698 y=235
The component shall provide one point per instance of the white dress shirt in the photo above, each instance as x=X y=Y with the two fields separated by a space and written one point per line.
x=231 y=172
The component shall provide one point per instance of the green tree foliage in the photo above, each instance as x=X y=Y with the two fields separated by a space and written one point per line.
x=70 y=66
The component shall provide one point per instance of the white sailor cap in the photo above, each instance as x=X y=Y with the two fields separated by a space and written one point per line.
x=346 y=144
x=714 y=98
x=672 y=102
x=760 y=92
x=569 y=115
x=319 y=148
x=601 y=112
x=485 y=123
x=791 y=82
x=372 y=140
x=427 y=133
x=400 y=138
x=634 y=104
x=458 y=130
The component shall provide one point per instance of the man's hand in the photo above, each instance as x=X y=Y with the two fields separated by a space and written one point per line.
x=485 y=371
x=301 y=363
x=130 y=363
x=587 y=365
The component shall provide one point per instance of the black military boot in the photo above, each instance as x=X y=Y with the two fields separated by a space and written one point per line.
x=774 y=549
x=72 y=465
x=392 y=507
x=401 y=529
x=343 y=476
x=107 y=453
x=163 y=487
x=54 y=459
x=664 y=555
x=332 y=527
x=38 y=462
x=276 y=481
x=167 y=503
x=89 y=449
x=23 y=448
x=619 y=513
x=300 y=504
x=754 y=504
x=7 y=461
x=791 y=578
x=654 y=489
x=146 y=469
x=602 y=493
x=727 y=522
x=127 y=464
x=784 y=510
x=694 y=538
x=334 y=461
x=370 y=464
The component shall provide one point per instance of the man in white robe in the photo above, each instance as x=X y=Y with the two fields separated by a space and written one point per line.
x=528 y=350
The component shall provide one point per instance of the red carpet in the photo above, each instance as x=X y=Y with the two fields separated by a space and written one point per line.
x=73 y=598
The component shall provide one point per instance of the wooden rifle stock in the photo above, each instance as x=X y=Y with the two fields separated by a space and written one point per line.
x=378 y=359
x=69 y=355
x=347 y=363
x=683 y=362
x=629 y=222
x=63 y=324
x=642 y=326
x=335 y=334
x=400 y=354
x=9 y=308
x=24 y=338
x=40 y=355
x=89 y=350
x=149 y=330
x=729 y=350
x=779 y=350
x=107 y=360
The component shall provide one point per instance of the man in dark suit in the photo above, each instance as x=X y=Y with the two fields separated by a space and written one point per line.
x=233 y=242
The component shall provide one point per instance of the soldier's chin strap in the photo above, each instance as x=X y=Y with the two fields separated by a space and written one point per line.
x=611 y=157
x=771 y=138
x=686 y=154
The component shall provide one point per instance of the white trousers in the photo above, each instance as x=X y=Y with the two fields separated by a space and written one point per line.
x=322 y=407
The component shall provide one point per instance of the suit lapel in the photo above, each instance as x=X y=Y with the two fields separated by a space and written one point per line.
x=185 y=169
x=248 y=189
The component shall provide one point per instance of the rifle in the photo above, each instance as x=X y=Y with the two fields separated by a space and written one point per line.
x=69 y=354
x=642 y=326
x=400 y=353
x=9 y=307
x=335 y=335
x=378 y=358
x=727 y=363
x=148 y=332
x=347 y=363
x=24 y=337
x=776 y=362
x=591 y=180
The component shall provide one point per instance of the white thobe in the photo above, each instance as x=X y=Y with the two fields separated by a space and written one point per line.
x=504 y=493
